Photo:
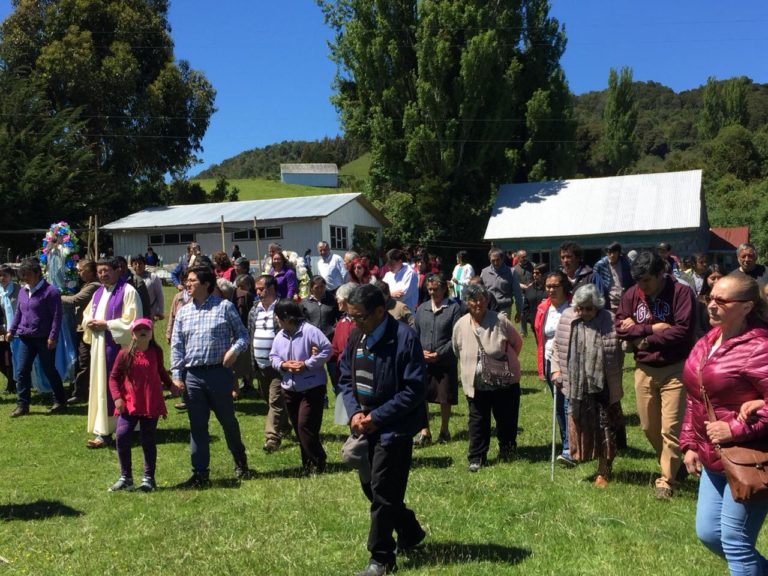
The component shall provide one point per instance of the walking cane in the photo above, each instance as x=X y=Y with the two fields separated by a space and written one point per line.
x=554 y=423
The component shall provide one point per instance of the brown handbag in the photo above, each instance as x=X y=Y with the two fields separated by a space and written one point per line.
x=745 y=464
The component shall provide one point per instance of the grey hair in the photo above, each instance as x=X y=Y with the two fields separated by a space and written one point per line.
x=343 y=291
x=495 y=252
x=473 y=291
x=588 y=294
x=437 y=278
x=744 y=246
x=226 y=287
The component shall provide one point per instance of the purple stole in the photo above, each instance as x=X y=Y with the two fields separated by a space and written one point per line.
x=114 y=310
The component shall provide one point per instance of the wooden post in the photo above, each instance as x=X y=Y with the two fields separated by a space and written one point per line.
x=96 y=235
x=258 y=248
x=223 y=243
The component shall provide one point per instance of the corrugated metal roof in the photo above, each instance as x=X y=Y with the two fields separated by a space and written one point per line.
x=202 y=215
x=594 y=206
x=309 y=169
x=728 y=238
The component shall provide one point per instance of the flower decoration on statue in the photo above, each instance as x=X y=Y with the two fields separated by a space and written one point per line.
x=297 y=263
x=59 y=257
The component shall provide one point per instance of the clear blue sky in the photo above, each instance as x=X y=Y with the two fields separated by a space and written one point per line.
x=268 y=60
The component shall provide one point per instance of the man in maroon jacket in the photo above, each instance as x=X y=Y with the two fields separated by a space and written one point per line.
x=656 y=319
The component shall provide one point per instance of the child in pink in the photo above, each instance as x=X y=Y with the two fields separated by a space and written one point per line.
x=136 y=385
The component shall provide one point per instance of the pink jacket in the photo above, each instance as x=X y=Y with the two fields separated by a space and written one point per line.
x=736 y=372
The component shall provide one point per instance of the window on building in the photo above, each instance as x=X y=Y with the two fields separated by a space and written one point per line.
x=267 y=233
x=339 y=238
x=171 y=238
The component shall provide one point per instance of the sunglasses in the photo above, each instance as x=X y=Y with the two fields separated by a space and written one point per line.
x=721 y=302
x=584 y=308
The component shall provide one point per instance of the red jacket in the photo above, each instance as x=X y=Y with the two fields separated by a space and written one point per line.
x=141 y=388
x=736 y=372
x=675 y=305
x=538 y=327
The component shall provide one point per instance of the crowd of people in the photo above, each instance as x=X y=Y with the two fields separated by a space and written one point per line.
x=392 y=337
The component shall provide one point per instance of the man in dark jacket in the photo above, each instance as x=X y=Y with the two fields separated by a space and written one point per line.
x=382 y=386
x=656 y=319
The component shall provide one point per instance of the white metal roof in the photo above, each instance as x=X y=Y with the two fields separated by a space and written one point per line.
x=237 y=213
x=593 y=206
x=309 y=169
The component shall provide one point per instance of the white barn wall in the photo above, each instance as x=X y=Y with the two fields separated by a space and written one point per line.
x=298 y=235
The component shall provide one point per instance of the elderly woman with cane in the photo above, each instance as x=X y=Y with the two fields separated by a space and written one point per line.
x=587 y=363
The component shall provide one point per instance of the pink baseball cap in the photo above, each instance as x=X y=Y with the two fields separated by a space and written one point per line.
x=145 y=322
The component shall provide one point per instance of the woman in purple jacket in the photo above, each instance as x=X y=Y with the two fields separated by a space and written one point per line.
x=299 y=352
x=731 y=363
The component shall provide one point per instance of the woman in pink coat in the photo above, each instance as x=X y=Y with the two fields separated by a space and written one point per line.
x=731 y=364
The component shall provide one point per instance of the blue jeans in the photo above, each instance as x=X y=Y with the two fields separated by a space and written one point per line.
x=211 y=389
x=561 y=409
x=730 y=529
x=29 y=349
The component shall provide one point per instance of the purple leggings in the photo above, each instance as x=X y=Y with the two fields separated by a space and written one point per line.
x=125 y=426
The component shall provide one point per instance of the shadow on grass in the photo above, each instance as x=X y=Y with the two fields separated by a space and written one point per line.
x=540 y=453
x=636 y=477
x=432 y=462
x=631 y=419
x=525 y=391
x=38 y=510
x=441 y=553
x=298 y=472
x=251 y=408
x=168 y=436
x=636 y=453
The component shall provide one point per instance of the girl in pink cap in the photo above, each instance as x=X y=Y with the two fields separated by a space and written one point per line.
x=136 y=385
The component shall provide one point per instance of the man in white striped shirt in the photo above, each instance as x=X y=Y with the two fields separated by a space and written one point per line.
x=261 y=328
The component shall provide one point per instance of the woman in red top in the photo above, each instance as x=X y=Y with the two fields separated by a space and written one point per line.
x=136 y=385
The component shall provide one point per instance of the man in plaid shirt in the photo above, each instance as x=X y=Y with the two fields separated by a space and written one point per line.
x=208 y=335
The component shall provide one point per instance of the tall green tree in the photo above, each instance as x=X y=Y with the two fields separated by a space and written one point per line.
x=724 y=104
x=619 y=142
x=144 y=113
x=44 y=162
x=453 y=97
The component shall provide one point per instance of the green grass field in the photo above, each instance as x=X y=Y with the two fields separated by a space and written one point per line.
x=262 y=189
x=58 y=518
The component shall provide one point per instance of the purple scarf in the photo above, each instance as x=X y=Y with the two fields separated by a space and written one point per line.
x=114 y=310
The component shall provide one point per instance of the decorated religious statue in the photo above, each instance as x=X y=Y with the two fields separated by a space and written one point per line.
x=59 y=257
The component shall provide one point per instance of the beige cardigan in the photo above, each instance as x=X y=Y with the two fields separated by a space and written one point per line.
x=498 y=337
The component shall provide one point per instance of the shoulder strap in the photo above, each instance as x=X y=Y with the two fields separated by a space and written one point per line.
x=704 y=397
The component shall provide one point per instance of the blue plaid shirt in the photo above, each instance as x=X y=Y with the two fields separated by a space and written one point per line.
x=203 y=333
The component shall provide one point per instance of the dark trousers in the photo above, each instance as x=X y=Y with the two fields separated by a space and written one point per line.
x=305 y=411
x=390 y=466
x=29 y=349
x=6 y=366
x=82 y=379
x=210 y=389
x=123 y=435
x=504 y=403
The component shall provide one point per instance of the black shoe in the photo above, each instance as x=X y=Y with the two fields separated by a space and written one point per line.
x=271 y=445
x=404 y=544
x=147 y=484
x=123 y=483
x=20 y=411
x=197 y=481
x=242 y=472
x=57 y=408
x=507 y=453
x=378 y=569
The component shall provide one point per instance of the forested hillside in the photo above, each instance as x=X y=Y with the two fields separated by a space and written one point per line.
x=265 y=162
